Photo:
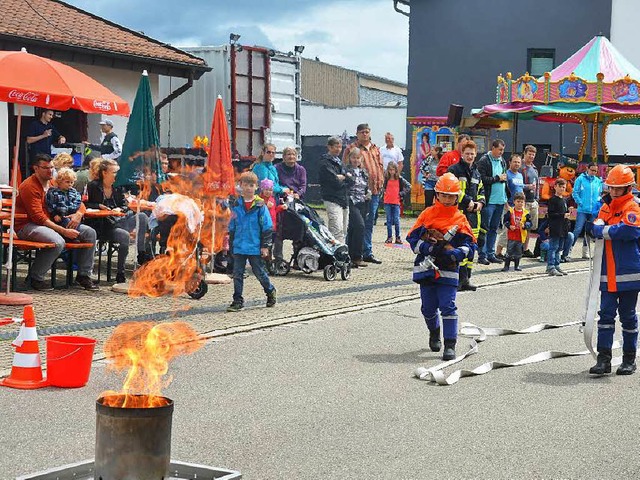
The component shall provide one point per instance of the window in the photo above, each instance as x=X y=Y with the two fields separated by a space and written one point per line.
x=540 y=60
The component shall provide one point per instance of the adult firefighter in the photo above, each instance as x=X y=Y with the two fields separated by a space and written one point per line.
x=470 y=202
x=442 y=239
x=619 y=224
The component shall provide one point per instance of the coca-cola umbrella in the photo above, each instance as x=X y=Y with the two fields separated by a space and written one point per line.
x=27 y=79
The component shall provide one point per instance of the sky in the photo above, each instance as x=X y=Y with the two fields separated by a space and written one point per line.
x=364 y=35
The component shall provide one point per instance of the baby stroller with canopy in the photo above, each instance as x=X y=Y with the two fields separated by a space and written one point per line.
x=314 y=247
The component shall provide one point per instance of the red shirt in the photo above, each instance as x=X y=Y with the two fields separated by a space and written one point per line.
x=448 y=159
x=516 y=219
x=392 y=192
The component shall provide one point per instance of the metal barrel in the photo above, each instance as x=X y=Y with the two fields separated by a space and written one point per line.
x=133 y=443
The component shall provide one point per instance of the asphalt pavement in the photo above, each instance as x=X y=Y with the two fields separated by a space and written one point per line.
x=335 y=397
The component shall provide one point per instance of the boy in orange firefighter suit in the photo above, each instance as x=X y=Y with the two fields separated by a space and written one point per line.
x=619 y=224
x=441 y=238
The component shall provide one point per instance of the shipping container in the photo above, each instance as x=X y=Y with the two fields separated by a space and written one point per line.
x=260 y=89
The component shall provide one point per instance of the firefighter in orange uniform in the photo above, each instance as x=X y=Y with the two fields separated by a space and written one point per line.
x=442 y=239
x=619 y=224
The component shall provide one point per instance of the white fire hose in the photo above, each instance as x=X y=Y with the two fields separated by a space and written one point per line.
x=477 y=334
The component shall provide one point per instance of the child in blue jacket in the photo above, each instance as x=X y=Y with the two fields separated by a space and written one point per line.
x=250 y=236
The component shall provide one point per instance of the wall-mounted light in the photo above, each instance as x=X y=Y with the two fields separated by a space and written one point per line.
x=298 y=49
x=233 y=38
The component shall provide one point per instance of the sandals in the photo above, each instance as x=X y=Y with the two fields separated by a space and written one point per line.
x=389 y=240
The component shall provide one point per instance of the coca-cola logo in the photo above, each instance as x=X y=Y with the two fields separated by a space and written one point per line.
x=102 y=105
x=29 y=97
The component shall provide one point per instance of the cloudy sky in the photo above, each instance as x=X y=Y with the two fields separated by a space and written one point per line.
x=364 y=35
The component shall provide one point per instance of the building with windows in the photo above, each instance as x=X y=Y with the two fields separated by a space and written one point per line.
x=457 y=49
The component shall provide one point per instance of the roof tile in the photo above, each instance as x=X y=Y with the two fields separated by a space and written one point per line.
x=53 y=21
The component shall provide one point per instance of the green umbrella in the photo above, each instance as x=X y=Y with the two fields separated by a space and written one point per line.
x=140 y=151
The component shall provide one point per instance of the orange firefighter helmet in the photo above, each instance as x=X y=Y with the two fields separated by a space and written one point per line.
x=449 y=184
x=620 y=176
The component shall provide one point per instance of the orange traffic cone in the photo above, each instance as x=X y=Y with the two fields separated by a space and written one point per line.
x=26 y=372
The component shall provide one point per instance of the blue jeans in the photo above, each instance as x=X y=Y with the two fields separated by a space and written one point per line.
x=368 y=226
x=553 y=254
x=581 y=221
x=491 y=216
x=393 y=218
x=259 y=270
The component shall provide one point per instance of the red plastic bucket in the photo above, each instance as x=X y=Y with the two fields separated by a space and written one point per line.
x=69 y=360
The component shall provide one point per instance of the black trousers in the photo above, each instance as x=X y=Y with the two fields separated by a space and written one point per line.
x=355 y=232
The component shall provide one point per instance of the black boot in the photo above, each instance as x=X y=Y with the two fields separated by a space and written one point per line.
x=516 y=265
x=464 y=280
x=507 y=262
x=434 y=340
x=628 y=365
x=449 y=350
x=603 y=363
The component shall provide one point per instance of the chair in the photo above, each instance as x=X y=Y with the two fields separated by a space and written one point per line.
x=109 y=248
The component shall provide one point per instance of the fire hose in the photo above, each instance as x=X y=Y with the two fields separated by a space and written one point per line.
x=477 y=335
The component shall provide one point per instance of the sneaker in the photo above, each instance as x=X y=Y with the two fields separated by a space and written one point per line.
x=389 y=240
x=495 y=259
x=561 y=272
x=505 y=269
x=528 y=254
x=372 y=259
x=85 y=282
x=41 y=285
x=120 y=278
x=358 y=264
x=484 y=261
x=271 y=298
x=517 y=269
x=500 y=257
x=235 y=306
x=399 y=241
x=554 y=273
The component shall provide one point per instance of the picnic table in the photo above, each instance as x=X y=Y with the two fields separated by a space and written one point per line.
x=95 y=213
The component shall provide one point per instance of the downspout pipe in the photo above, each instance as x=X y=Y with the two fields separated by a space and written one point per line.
x=401 y=2
x=172 y=96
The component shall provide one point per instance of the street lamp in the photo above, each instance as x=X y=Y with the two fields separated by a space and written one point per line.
x=233 y=38
x=298 y=49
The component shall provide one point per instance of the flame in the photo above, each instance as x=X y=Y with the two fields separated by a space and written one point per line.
x=144 y=350
x=182 y=267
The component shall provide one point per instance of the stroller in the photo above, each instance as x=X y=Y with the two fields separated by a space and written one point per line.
x=314 y=247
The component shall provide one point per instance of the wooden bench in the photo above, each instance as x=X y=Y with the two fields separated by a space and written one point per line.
x=23 y=250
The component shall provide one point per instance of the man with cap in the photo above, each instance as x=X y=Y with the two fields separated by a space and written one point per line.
x=110 y=148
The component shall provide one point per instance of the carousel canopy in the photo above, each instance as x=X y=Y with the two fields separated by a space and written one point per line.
x=595 y=84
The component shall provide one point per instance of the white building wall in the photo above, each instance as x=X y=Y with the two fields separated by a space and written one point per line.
x=4 y=143
x=123 y=83
x=623 y=139
x=320 y=120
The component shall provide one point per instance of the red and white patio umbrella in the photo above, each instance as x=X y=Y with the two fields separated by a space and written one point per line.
x=27 y=79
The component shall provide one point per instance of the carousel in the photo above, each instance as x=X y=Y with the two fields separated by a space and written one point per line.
x=596 y=87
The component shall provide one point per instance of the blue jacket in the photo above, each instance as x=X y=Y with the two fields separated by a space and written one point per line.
x=621 y=233
x=586 y=193
x=250 y=230
x=268 y=170
x=446 y=260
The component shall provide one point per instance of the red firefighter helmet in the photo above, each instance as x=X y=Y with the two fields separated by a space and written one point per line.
x=620 y=176
x=449 y=184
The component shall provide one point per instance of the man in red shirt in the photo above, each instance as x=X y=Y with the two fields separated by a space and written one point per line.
x=38 y=227
x=452 y=157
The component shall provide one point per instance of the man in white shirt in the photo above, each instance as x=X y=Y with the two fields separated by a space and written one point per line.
x=391 y=153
